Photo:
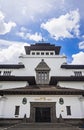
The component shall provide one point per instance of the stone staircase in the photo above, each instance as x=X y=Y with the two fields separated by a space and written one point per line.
x=41 y=126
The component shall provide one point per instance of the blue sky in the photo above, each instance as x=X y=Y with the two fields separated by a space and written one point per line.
x=59 y=22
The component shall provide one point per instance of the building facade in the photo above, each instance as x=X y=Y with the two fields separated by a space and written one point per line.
x=42 y=86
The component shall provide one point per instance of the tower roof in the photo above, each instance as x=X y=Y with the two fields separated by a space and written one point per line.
x=42 y=47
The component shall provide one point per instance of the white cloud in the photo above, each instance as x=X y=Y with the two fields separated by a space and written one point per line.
x=11 y=50
x=4 y=43
x=1 y=16
x=82 y=36
x=81 y=45
x=22 y=11
x=5 y=27
x=21 y=34
x=78 y=58
x=66 y=26
x=35 y=37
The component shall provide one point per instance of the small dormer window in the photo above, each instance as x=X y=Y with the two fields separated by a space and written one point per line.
x=42 y=73
x=43 y=77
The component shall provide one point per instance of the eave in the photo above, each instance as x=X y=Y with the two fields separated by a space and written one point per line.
x=55 y=79
x=37 y=91
x=72 y=66
x=11 y=66
x=30 y=79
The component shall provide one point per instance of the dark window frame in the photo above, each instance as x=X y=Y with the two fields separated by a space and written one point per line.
x=0 y=72
x=42 y=77
x=17 y=110
x=33 y=53
x=42 y=53
x=51 y=53
x=37 y=53
x=68 y=109
x=47 y=53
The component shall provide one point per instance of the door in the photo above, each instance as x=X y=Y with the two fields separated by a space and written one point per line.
x=42 y=114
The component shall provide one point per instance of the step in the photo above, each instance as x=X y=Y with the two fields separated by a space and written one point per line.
x=67 y=128
x=41 y=126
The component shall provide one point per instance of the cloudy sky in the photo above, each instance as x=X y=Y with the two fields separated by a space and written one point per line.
x=24 y=22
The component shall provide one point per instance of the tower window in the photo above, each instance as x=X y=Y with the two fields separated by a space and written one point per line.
x=38 y=53
x=47 y=53
x=33 y=53
x=51 y=53
x=42 y=53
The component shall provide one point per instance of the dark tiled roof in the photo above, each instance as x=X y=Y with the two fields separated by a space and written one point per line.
x=11 y=66
x=42 y=66
x=30 y=79
x=42 y=47
x=72 y=66
x=42 y=91
x=55 y=79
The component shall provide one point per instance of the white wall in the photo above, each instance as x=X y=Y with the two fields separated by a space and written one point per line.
x=68 y=84
x=12 y=84
x=9 y=103
x=31 y=62
x=54 y=62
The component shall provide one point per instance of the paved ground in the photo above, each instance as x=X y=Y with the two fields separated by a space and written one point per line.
x=41 y=126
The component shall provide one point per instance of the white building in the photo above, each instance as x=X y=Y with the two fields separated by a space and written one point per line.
x=42 y=86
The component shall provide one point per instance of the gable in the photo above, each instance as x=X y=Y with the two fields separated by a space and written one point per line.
x=42 y=66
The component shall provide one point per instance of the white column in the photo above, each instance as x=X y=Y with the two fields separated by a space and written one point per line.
x=82 y=106
x=2 y=106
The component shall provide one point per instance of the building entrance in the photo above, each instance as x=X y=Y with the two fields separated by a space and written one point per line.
x=42 y=114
